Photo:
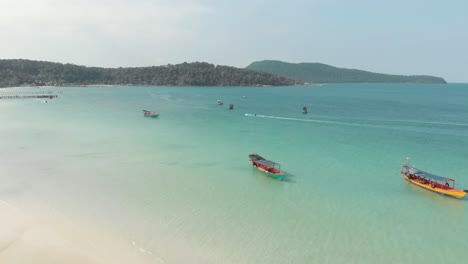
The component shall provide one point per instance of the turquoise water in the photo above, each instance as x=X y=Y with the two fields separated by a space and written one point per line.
x=181 y=186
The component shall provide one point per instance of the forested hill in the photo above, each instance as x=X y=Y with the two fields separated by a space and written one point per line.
x=28 y=72
x=322 y=73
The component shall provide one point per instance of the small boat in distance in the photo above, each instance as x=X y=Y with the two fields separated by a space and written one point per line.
x=219 y=102
x=431 y=182
x=305 y=110
x=231 y=106
x=271 y=168
x=150 y=113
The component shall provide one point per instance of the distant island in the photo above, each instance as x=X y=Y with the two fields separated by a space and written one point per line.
x=21 y=72
x=322 y=73
x=41 y=73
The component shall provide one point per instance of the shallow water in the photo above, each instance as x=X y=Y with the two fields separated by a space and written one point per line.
x=180 y=188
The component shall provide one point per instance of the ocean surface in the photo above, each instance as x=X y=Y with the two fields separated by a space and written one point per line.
x=180 y=188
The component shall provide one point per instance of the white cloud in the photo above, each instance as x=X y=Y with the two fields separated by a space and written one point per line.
x=69 y=9
x=107 y=33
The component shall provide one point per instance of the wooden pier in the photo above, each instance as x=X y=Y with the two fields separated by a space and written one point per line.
x=27 y=95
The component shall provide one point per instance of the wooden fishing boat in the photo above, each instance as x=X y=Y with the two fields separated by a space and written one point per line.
x=150 y=113
x=271 y=168
x=431 y=182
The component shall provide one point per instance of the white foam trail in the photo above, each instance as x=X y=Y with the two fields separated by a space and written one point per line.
x=413 y=122
x=318 y=121
x=356 y=124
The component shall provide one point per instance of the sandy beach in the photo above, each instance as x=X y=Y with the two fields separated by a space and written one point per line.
x=47 y=238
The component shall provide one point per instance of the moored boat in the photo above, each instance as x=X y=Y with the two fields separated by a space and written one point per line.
x=150 y=113
x=231 y=106
x=219 y=102
x=305 y=110
x=271 y=168
x=431 y=182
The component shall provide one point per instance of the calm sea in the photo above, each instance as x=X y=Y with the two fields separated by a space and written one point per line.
x=181 y=187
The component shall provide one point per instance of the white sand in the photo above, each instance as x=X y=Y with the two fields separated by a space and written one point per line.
x=27 y=237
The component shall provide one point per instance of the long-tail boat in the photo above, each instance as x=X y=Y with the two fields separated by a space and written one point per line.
x=150 y=113
x=431 y=182
x=271 y=168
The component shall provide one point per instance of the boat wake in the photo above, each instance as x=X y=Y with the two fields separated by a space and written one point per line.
x=387 y=126
x=317 y=121
x=415 y=122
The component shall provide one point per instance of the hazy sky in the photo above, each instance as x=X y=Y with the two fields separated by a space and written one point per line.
x=389 y=36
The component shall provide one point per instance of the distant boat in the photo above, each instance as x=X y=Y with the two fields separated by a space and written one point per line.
x=305 y=110
x=219 y=102
x=231 y=106
x=271 y=168
x=150 y=113
x=431 y=182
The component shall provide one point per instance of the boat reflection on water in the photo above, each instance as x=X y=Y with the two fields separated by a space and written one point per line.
x=442 y=204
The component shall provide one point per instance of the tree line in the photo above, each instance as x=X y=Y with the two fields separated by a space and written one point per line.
x=39 y=73
x=323 y=73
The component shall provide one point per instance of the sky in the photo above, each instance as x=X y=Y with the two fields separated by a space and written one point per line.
x=409 y=37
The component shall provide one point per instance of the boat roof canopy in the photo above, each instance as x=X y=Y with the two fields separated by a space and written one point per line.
x=424 y=174
x=256 y=157
x=261 y=160
x=268 y=163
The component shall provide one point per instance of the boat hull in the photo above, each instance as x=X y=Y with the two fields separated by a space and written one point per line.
x=278 y=176
x=450 y=192
x=157 y=115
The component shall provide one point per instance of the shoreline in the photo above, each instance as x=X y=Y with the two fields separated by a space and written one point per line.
x=146 y=85
x=56 y=86
x=44 y=235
